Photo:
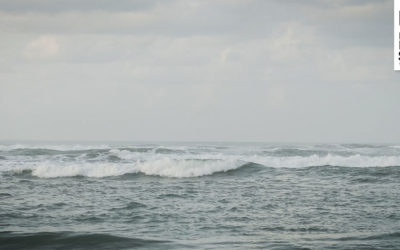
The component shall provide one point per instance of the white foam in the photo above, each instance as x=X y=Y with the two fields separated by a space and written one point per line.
x=88 y=169
x=186 y=168
x=125 y=154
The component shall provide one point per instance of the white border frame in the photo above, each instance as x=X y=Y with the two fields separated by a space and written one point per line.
x=396 y=31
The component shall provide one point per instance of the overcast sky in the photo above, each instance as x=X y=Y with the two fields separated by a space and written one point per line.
x=206 y=70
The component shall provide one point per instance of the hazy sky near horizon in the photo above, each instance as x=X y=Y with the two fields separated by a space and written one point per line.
x=209 y=70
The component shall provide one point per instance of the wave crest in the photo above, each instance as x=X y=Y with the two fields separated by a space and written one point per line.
x=165 y=167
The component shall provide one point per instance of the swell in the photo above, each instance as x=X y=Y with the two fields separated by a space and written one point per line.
x=70 y=240
x=382 y=236
x=392 y=237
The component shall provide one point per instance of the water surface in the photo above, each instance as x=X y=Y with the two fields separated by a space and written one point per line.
x=199 y=195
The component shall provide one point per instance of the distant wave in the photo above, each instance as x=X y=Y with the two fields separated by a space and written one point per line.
x=328 y=160
x=79 y=147
x=60 y=147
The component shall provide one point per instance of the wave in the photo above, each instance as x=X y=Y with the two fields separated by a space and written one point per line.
x=69 y=240
x=181 y=167
x=119 y=161
x=327 y=160
x=165 y=167
x=367 y=237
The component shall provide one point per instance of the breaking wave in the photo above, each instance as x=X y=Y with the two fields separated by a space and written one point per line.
x=164 y=167
x=180 y=168
x=181 y=161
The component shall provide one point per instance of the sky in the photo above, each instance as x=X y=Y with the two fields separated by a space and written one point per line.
x=198 y=70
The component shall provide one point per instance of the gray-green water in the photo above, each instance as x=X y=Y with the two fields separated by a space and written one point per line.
x=202 y=196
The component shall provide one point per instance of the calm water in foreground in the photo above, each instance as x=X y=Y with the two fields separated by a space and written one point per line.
x=199 y=196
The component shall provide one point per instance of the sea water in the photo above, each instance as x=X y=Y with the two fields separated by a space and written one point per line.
x=199 y=196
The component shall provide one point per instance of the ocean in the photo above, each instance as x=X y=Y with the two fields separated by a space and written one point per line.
x=199 y=196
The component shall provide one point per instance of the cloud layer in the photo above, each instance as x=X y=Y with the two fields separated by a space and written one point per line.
x=299 y=71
